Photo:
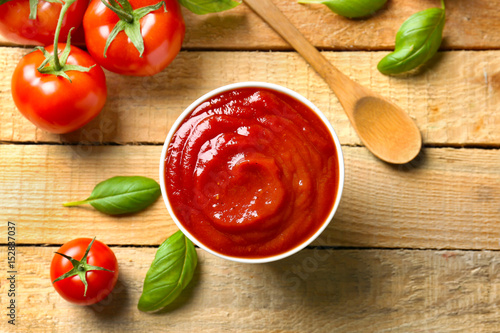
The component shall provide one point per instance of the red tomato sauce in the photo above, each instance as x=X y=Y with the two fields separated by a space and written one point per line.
x=252 y=173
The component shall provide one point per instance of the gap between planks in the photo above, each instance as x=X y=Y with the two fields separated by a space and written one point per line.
x=309 y=247
x=154 y=144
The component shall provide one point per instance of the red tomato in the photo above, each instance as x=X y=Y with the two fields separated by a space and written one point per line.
x=100 y=283
x=16 y=26
x=163 y=34
x=53 y=103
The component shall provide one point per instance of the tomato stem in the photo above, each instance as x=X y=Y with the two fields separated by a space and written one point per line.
x=64 y=9
x=122 y=14
x=129 y=21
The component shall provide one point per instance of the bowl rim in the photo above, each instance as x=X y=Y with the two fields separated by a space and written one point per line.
x=286 y=91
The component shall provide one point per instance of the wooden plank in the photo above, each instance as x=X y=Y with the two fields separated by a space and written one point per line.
x=313 y=291
x=447 y=198
x=454 y=101
x=470 y=24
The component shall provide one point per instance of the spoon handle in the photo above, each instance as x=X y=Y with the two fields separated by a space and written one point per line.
x=341 y=85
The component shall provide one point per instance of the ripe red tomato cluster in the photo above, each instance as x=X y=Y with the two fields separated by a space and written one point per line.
x=58 y=105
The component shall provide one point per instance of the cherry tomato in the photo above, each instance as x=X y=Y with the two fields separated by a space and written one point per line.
x=54 y=103
x=16 y=26
x=100 y=283
x=163 y=34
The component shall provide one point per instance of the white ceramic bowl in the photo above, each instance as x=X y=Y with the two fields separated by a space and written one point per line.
x=283 y=90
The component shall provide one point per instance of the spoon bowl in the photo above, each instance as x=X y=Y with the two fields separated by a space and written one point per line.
x=385 y=129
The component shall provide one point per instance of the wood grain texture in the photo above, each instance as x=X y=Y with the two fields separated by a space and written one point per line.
x=454 y=100
x=470 y=24
x=447 y=198
x=312 y=291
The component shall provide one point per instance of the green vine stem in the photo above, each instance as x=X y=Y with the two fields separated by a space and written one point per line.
x=64 y=9
x=55 y=63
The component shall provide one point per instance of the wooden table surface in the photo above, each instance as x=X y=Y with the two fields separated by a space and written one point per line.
x=412 y=248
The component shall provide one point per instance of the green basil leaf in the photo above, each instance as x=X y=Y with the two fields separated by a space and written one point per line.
x=171 y=271
x=122 y=195
x=417 y=40
x=202 y=7
x=351 y=8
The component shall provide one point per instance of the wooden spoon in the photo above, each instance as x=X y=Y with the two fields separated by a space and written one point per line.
x=386 y=130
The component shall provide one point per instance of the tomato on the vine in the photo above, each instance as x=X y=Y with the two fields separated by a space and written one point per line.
x=160 y=23
x=84 y=259
x=54 y=103
x=16 y=26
